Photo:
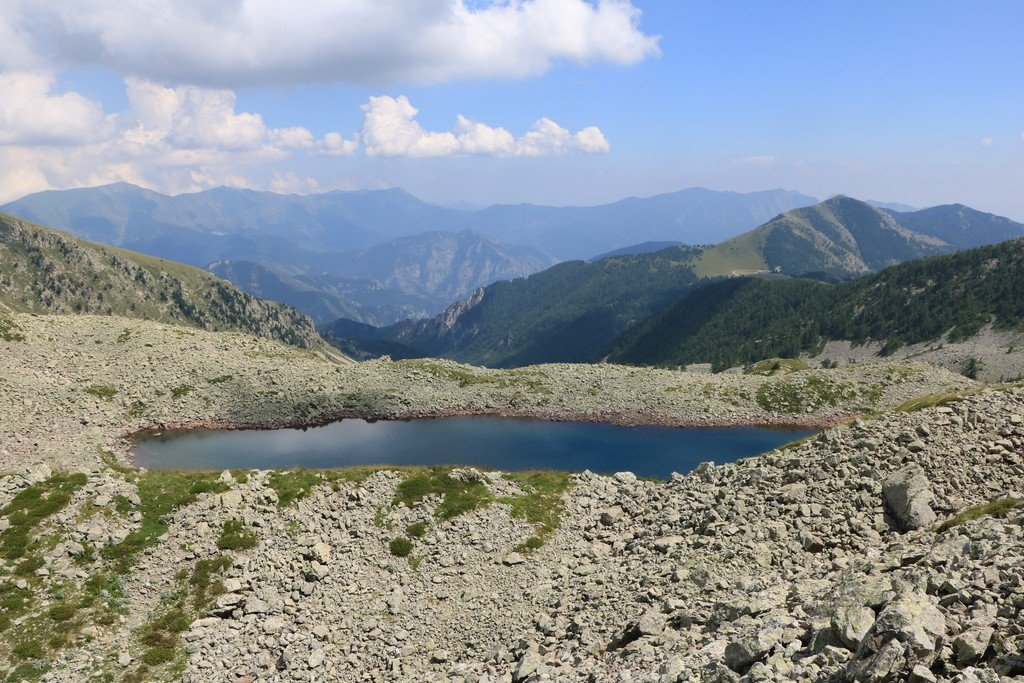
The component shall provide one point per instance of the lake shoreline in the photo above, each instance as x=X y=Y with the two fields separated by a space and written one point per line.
x=558 y=442
x=621 y=419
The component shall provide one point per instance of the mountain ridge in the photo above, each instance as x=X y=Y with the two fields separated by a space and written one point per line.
x=43 y=270
x=838 y=239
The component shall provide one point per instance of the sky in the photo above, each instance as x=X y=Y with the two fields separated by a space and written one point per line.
x=543 y=101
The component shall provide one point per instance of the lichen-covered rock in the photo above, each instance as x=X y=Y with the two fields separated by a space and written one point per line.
x=908 y=498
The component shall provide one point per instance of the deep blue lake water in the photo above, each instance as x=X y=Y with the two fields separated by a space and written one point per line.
x=492 y=442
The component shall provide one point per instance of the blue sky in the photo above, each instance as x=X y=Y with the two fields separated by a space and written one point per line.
x=916 y=102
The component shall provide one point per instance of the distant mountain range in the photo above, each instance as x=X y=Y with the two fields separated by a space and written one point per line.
x=574 y=311
x=384 y=255
x=48 y=271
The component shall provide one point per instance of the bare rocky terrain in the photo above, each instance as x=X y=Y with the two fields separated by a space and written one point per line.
x=887 y=548
x=994 y=354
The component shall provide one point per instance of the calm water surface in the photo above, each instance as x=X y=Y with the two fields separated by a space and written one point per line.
x=492 y=442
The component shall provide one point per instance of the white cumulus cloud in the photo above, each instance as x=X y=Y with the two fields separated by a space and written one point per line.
x=233 y=43
x=390 y=129
x=30 y=114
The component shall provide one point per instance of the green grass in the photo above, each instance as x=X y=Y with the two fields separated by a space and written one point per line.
x=234 y=536
x=9 y=331
x=182 y=390
x=400 y=546
x=774 y=366
x=104 y=392
x=795 y=396
x=294 y=485
x=160 y=637
x=221 y=379
x=542 y=503
x=14 y=602
x=791 y=445
x=161 y=492
x=416 y=530
x=27 y=510
x=997 y=508
x=457 y=497
x=929 y=401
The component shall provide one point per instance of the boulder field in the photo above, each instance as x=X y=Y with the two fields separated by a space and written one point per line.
x=886 y=548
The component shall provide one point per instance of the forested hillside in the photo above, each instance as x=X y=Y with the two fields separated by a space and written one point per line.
x=746 y=319
x=570 y=312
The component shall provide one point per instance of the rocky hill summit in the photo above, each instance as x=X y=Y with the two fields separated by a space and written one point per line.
x=888 y=548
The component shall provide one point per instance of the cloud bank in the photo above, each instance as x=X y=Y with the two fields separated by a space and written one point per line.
x=188 y=138
x=234 y=43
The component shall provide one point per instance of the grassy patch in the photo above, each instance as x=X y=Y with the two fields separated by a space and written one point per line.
x=28 y=510
x=997 y=508
x=161 y=492
x=182 y=390
x=796 y=443
x=929 y=401
x=9 y=331
x=220 y=380
x=103 y=392
x=124 y=336
x=160 y=637
x=416 y=530
x=400 y=546
x=776 y=366
x=542 y=503
x=14 y=602
x=234 y=536
x=294 y=485
x=457 y=496
x=811 y=393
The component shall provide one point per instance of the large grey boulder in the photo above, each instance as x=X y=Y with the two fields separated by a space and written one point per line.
x=908 y=497
x=908 y=632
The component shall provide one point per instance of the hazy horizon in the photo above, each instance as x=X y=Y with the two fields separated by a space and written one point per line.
x=553 y=102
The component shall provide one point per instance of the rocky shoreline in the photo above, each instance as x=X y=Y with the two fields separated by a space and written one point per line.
x=887 y=548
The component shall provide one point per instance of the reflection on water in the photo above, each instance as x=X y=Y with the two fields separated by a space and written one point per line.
x=491 y=442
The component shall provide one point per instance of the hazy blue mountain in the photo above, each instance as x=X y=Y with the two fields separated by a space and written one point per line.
x=570 y=312
x=227 y=223
x=691 y=216
x=892 y=206
x=444 y=266
x=960 y=226
x=386 y=253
